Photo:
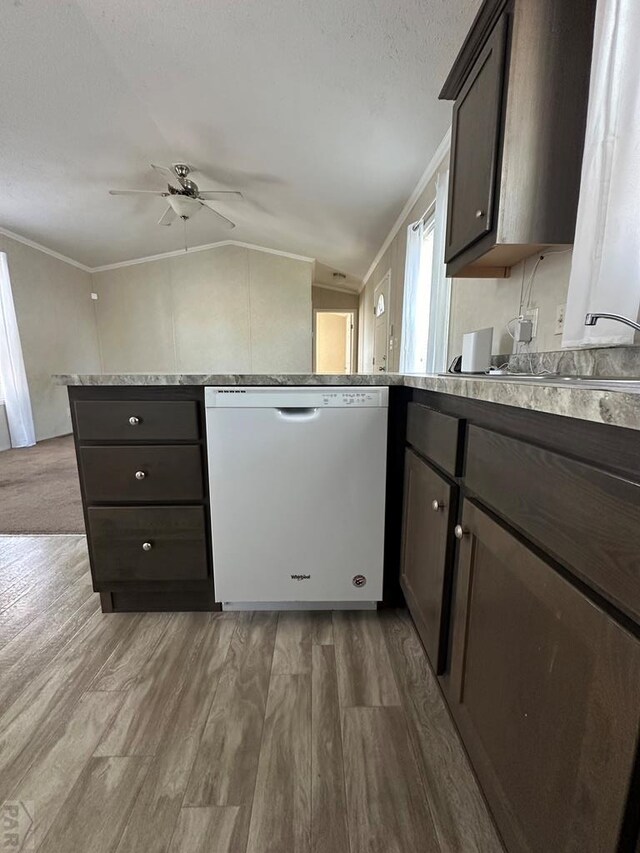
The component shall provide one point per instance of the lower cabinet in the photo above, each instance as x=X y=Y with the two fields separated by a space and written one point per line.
x=429 y=507
x=544 y=685
x=137 y=544
x=142 y=455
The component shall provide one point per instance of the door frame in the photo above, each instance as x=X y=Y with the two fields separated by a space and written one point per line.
x=385 y=278
x=354 y=339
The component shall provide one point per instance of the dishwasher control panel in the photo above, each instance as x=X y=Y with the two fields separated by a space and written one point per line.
x=350 y=398
x=292 y=397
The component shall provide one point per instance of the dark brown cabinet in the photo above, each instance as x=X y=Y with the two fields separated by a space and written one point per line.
x=436 y=436
x=475 y=145
x=142 y=460
x=597 y=539
x=520 y=87
x=137 y=420
x=142 y=474
x=429 y=508
x=545 y=688
x=134 y=544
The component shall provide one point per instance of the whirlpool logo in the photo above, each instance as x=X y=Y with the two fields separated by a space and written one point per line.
x=300 y=577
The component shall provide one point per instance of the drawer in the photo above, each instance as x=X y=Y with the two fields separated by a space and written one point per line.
x=584 y=518
x=137 y=420
x=436 y=436
x=176 y=536
x=143 y=474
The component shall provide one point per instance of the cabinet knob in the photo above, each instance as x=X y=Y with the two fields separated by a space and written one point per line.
x=140 y=475
x=147 y=546
x=460 y=531
x=479 y=214
x=436 y=505
x=134 y=421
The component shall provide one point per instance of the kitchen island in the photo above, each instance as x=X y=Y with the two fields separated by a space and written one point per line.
x=512 y=531
x=142 y=456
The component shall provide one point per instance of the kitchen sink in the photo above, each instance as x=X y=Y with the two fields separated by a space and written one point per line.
x=624 y=384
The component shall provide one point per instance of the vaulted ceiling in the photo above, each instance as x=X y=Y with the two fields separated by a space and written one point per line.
x=323 y=113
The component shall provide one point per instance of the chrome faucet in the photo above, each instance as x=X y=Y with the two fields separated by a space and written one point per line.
x=592 y=319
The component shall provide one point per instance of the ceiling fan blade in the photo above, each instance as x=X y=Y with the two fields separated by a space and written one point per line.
x=224 y=222
x=167 y=217
x=165 y=170
x=138 y=192
x=212 y=194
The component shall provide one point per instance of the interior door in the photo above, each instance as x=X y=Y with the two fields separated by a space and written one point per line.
x=476 y=131
x=381 y=324
x=545 y=687
x=333 y=338
x=428 y=508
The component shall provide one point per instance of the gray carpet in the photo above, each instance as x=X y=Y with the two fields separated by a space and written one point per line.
x=39 y=489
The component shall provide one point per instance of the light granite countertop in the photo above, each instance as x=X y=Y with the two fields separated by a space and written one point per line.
x=614 y=407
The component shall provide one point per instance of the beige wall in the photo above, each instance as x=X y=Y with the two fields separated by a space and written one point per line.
x=334 y=300
x=478 y=303
x=225 y=310
x=475 y=303
x=393 y=259
x=57 y=329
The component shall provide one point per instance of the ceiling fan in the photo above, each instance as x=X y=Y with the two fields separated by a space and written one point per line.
x=183 y=196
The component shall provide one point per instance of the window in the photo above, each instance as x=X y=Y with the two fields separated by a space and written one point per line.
x=417 y=296
x=427 y=291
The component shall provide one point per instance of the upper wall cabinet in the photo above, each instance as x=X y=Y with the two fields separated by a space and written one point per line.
x=520 y=86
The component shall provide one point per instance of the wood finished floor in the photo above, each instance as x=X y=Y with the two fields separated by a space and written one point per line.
x=219 y=733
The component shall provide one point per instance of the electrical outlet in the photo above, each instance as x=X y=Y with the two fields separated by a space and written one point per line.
x=523 y=332
x=532 y=315
x=560 y=312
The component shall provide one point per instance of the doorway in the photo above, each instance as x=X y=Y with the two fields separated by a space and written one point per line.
x=333 y=341
x=381 y=320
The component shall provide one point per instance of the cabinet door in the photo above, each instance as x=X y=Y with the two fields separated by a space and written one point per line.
x=425 y=558
x=476 y=131
x=545 y=687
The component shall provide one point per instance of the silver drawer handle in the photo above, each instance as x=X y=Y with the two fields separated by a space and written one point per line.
x=147 y=546
x=479 y=214
x=140 y=475
x=134 y=421
x=436 y=506
x=460 y=531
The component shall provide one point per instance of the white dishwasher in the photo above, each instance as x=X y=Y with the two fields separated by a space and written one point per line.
x=297 y=482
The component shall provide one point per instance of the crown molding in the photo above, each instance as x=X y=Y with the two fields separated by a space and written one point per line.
x=58 y=256
x=428 y=173
x=203 y=248
x=40 y=248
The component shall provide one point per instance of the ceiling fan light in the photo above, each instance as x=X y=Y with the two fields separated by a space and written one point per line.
x=184 y=207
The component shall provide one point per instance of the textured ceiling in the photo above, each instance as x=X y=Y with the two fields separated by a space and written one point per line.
x=323 y=113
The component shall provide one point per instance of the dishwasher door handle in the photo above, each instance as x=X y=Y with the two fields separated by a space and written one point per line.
x=297 y=413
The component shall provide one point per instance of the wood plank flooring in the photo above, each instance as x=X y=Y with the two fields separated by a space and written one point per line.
x=219 y=732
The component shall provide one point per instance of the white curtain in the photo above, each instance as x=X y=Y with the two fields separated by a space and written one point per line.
x=605 y=273
x=14 y=379
x=411 y=305
x=440 y=285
